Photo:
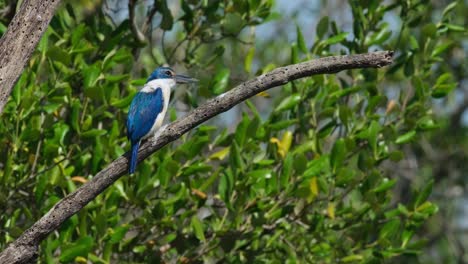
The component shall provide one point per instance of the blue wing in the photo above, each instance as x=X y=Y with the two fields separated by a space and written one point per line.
x=143 y=112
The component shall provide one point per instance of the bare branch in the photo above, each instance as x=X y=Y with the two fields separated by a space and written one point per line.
x=24 y=249
x=20 y=40
x=139 y=36
x=149 y=18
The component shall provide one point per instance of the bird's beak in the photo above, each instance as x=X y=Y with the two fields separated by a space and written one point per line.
x=184 y=79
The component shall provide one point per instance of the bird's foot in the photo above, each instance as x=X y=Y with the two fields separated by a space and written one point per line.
x=158 y=133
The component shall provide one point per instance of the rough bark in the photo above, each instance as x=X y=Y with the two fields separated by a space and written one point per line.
x=20 y=40
x=24 y=249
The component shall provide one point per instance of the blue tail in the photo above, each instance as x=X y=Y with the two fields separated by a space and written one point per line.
x=133 y=158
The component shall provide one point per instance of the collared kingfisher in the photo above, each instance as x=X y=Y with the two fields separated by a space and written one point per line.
x=148 y=108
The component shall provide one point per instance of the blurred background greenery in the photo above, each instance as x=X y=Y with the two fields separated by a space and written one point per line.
x=365 y=166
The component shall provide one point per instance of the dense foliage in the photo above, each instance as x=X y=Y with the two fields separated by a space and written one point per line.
x=302 y=173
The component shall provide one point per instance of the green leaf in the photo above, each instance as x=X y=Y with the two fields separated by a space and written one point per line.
x=300 y=163
x=430 y=30
x=444 y=85
x=233 y=23
x=317 y=166
x=427 y=209
x=221 y=80
x=427 y=123
x=40 y=187
x=226 y=185
x=294 y=53
x=385 y=185
x=94 y=133
x=116 y=78
x=338 y=154
x=60 y=131
x=260 y=174
x=81 y=248
x=288 y=102
x=118 y=185
x=197 y=227
x=118 y=234
x=353 y=258
x=439 y=49
x=373 y=134
x=124 y=102
x=282 y=124
x=405 y=138
x=322 y=27
x=455 y=28
x=139 y=249
x=424 y=194
x=235 y=158
x=91 y=75
x=221 y=154
x=449 y=8
x=344 y=176
x=248 y=59
x=336 y=39
x=390 y=229
x=241 y=130
x=198 y=167
x=287 y=170
x=58 y=54
x=443 y=90
x=406 y=237
x=167 y=19
x=413 y=43
x=379 y=37
x=300 y=40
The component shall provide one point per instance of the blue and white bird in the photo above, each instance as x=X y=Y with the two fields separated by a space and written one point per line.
x=148 y=108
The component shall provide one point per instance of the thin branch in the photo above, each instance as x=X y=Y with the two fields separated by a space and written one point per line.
x=20 y=40
x=149 y=18
x=163 y=47
x=25 y=248
x=151 y=45
x=38 y=148
x=139 y=36
x=175 y=49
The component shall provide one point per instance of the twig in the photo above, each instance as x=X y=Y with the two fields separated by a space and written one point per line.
x=139 y=36
x=25 y=248
x=147 y=24
x=149 y=18
x=176 y=48
x=38 y=148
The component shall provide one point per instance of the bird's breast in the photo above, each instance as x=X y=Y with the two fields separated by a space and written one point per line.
x=158 y=122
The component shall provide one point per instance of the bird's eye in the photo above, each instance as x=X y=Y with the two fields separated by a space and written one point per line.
x=169 y=73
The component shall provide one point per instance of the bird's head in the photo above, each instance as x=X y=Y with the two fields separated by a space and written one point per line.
x=167 y=73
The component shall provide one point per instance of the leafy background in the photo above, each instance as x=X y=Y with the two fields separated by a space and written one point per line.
x=362 y=166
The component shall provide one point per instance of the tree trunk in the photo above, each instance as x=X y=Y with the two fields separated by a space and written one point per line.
x=20 y=41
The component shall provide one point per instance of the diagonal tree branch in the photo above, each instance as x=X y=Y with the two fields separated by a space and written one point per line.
x=25 y=248
x=20 y=41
